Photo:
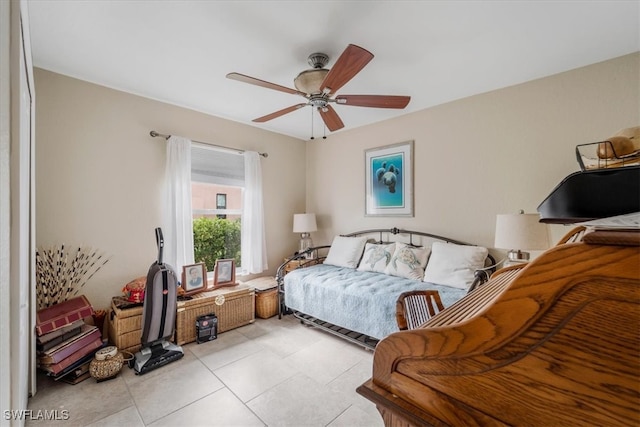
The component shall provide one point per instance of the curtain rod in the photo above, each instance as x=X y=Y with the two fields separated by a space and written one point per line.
x=155 y=134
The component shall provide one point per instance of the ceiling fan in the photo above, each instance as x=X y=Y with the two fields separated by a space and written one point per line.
x=319 y=85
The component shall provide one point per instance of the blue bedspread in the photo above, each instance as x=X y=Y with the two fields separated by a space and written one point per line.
x=361 y=301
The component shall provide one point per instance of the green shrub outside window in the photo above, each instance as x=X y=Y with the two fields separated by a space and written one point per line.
x=216 y=238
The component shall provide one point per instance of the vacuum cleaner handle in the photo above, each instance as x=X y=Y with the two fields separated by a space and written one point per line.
x=160 y=243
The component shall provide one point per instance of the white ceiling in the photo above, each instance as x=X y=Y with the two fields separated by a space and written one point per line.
x=435 y=51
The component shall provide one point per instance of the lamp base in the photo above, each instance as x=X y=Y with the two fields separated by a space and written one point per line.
x=515 y=257
x=518 y=256
x=306 y=243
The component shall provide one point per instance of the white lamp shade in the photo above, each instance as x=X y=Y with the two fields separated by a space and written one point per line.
x=304 y=223
x=521 y=231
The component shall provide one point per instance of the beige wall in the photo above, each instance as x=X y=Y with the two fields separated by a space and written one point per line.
x=99 y=174
x=493 y=153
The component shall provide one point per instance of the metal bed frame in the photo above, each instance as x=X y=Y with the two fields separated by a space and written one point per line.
x=481 y=276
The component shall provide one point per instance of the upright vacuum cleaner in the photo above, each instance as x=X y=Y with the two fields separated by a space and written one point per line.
x=158 y=316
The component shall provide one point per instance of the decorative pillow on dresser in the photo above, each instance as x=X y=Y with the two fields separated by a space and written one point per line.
x=345 y=251
x=454 y=265
x=408 y=262
x=376 y=257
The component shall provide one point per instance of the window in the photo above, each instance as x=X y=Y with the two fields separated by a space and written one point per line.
x=217 y=185
x=221 y=203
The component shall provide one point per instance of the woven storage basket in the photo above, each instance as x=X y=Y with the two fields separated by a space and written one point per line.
x=266 y=303
x=234 y=307
x=125 y=325
x=266 y=296
x=107 y=363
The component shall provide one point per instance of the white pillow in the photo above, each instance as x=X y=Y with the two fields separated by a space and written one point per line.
x=408 y=262
x=453 y=265
x=345 y=251
x=376 y=257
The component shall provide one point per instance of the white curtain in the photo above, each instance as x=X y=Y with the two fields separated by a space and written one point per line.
x=177 y=228
x=254 y=247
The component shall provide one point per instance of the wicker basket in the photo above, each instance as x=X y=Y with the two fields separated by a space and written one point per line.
x=266 y=303
x=234 y=307
x=125 y=325
x=266 y=296
x=107 y=363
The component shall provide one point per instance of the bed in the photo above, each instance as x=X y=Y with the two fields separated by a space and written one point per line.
x=352 y=290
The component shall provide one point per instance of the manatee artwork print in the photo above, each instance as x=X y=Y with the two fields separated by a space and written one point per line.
x=389 y=180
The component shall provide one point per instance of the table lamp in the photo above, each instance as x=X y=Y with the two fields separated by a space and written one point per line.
x=518 y=232
x=305 y=223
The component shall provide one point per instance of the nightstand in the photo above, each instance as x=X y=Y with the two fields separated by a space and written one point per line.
x=292 y=265
x=295 y=264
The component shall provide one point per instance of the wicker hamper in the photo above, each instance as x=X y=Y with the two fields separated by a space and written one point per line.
x=234 y=307
x=266 y=296
x=266 y=303
x=125 y=325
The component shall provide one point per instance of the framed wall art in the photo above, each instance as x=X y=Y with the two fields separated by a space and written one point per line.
x=194 y=278
x=224 y=273
x=389 y=180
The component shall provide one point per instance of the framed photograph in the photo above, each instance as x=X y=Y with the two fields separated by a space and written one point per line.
x=389 y=180
x=194 y=278
x=224 y=273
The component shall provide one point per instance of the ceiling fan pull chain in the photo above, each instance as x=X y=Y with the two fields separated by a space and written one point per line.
x=312 y=123
x=324 y=132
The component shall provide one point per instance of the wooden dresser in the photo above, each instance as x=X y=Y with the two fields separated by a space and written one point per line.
x=553 y=343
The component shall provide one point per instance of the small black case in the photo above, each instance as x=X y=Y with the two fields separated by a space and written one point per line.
x=206 y=328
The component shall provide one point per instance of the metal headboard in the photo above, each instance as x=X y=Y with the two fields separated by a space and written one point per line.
x=410 y=233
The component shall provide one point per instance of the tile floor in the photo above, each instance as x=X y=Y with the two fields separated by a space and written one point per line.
x=272 y=372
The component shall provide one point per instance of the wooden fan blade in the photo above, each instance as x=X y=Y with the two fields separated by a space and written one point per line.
x=352 y=60
x=375 y=101
x=330 y=118
x=278 y=113
x=252 y=80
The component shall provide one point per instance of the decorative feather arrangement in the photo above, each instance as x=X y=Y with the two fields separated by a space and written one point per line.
x=60 y=273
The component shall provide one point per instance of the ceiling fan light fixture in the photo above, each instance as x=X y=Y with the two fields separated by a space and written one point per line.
x=309 y=81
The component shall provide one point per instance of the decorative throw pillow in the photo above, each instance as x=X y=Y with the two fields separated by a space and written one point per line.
x=454 y=265
x=345 y=251
x=408 y=262
x=376 y=257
